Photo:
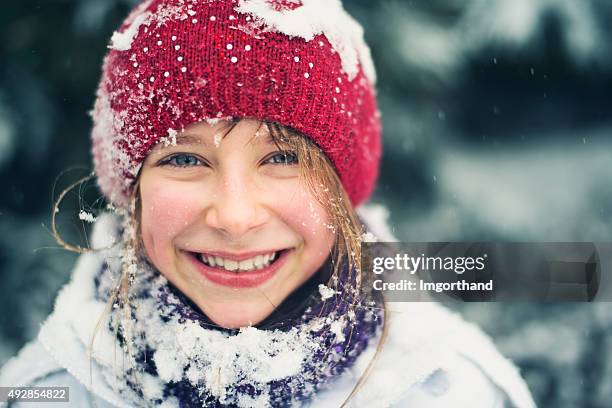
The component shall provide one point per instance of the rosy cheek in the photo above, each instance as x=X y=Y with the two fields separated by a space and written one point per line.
x=314 y=218
x=165 y=213
x=310 y=220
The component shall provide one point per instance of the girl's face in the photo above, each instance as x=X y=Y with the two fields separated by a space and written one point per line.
x=226 y=219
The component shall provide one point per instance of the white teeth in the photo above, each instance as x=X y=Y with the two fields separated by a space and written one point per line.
x=257 y=262
x=246 y=265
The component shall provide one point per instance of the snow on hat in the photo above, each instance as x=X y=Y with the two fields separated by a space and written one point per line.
x=301 y=63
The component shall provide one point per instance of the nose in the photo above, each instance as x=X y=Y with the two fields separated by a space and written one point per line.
x=236 y=209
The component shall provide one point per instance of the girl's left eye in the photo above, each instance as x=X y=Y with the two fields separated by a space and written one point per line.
x=283 y=158
x=182 y=160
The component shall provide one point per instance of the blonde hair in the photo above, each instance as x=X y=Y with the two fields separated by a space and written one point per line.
x=321 y=178
x=319 y=175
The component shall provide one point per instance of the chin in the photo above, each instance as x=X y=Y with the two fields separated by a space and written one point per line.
x=235 y=316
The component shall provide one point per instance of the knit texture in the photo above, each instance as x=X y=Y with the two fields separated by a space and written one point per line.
x=179 y=358
x=177 y=62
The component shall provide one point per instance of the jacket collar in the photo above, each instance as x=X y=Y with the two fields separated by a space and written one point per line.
x=422 y=338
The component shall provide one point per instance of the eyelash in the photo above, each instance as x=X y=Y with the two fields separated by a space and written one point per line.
x=170 y=161
x=286 y=155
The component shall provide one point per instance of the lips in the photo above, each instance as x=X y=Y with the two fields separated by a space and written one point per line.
x=239 y=271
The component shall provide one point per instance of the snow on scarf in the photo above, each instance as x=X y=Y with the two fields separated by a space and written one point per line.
x=177 y=357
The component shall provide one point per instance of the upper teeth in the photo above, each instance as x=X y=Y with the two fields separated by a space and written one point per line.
x=258 y=262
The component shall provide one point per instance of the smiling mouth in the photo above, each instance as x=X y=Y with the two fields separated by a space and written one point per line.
x=255 y=263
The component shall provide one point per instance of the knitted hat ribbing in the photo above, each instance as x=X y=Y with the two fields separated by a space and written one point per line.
x=301 y=63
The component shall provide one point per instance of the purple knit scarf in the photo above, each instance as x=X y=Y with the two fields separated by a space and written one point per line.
x=329 y=329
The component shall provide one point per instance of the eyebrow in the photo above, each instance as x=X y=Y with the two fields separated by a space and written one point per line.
x=182 y=139
x=186 y=139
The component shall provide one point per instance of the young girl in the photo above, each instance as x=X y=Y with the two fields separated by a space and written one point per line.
x=234 y=140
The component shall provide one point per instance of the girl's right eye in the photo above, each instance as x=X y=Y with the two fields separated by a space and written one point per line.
x=182 y=160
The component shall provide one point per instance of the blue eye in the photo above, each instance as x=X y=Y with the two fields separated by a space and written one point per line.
x=283 y=158
x=183 y=160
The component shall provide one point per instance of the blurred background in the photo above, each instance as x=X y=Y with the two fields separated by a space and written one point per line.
x=497 y=124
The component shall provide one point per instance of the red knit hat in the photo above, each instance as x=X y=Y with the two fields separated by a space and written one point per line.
x=301 y=63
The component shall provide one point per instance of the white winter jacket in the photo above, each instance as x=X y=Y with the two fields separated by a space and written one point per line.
x=431 y=358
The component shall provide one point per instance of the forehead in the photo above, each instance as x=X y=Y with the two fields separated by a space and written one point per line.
x=204 y=135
